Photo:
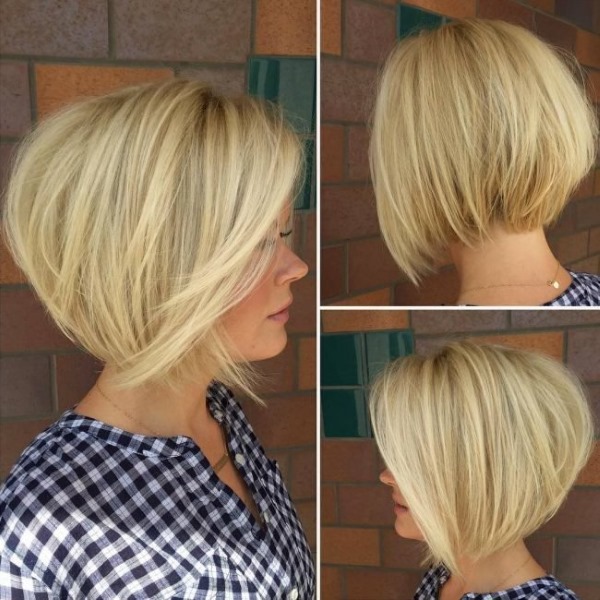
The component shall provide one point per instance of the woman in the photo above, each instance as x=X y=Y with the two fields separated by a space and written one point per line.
x=481 y=444
x=153 y=224
x=480 y=135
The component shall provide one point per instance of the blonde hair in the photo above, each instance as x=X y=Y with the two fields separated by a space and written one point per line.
x=476 y=123
x=483 y=441
x=141 y=217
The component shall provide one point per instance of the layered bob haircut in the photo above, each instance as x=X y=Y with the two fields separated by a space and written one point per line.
x=141 y=217
x=483 y=441
x=476 y=123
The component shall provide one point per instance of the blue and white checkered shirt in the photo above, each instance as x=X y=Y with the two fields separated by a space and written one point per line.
x=92 y=511
x=542 y=588
x=583 y=291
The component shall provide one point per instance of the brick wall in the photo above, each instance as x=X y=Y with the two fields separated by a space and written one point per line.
x=356 y=35
x=362 y=557
x=53 y=52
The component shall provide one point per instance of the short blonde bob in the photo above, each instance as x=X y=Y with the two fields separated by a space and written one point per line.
x=483 y=441
x=141 y=217
x=476 y=123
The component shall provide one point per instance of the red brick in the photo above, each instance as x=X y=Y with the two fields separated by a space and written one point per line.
x=363 y=320
x=438 y=289
x=579 y=515
x=570 y=248
x=547 y=5
x=331 y=583
x=550 y=343
x=566 y=223
x=75 y=29
x=447 y=321
x=332 y=153
x=580 y=13
x=304 y=474
x=400 y=553
x=347 y=211
x=59 y=85
x=197 y=31
x=333 y=267
x=286 y=422
x=9 y=272
x=287 y=27
x=331 y=26
x=328 y=504
x=375 y=584
x=370 y=265
x=542 y=549
x=307 y=511
x=583 y=352
x=591 y=473
x=349 y=546
x=25 y=386
x=303 y=311
x=375 y=298
x=226 y=79
x=369 y=31
x=506 y=10
x=587 y=48
x=591 y=264
x=556 y=32
x=594 y=398
x=585 y=189
x=347 y=91
x=553 y=318
x=309 y=248
x=594 y=241
x=578 y=558
x=588 y=212
x=15 y=117
x=25 y=325
x=358 y=153
x=75 y=376
x=349 y=461
x=15 y=437
x=583 y=591
x=458 y=9
x=366 y=505
x=597 y=171
x=278 y=372
x=307 y=366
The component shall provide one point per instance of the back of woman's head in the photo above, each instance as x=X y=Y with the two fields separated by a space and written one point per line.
x=141 y=217
x=483 y=441
x=476 y=123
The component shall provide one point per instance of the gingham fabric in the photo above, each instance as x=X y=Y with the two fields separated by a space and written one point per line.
x=583 y=291
x=92 y=511
x=542 y=588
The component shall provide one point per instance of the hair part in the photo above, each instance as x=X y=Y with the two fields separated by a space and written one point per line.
x=484 y=443
x=141 y=217
x=476 y=123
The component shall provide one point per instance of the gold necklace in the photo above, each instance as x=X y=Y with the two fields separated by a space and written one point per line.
x=550 y=282
x=216 y=467
x=514 y=572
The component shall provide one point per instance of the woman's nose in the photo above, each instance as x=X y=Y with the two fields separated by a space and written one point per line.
x=386 y=477
x=292 y=267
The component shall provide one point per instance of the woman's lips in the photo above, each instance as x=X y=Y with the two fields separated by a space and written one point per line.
x=399 y=508
x=282 y=315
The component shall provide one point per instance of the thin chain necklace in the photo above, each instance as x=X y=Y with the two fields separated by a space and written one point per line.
x=216 y=467
x=550 y=282
x=498 y=585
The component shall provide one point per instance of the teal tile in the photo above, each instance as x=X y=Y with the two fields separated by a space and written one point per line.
x=306 y=196
x=342 y=360
x=410 y=20
x=291 y=82
x=344 y=413
x=382 y=347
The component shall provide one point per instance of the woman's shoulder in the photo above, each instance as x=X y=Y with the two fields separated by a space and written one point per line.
x=583 y=291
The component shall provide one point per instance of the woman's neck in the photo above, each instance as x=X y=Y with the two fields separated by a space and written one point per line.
x=509 y=269
x=149 y=409
x=500 y=571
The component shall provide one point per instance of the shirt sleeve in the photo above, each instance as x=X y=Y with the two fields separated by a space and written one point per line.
x=19 y=584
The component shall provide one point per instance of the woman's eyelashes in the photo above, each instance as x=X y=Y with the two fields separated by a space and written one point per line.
x=285 y=234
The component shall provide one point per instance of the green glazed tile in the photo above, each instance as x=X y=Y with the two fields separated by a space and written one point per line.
x=342 y=360
x=306 y=195
x=291 y=82
x=344 y=413
x=410 y=20
x=382 y=347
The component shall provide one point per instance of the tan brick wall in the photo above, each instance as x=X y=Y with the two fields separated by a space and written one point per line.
x=356 y=34
x=362 y=556
x=51 y=56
